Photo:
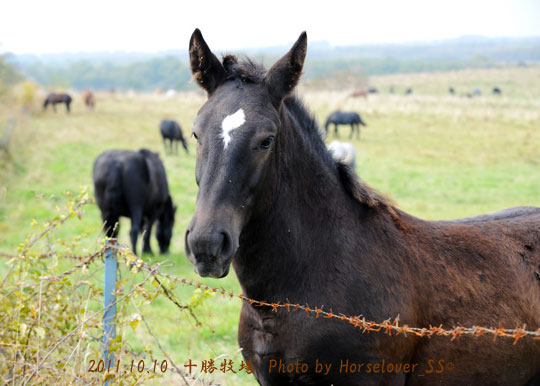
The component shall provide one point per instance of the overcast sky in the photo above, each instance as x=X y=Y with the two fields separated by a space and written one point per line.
x=54 y=26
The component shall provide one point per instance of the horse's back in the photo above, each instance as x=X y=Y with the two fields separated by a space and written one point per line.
x=140 y=175
x=483 y=271
x=335 y=116
x=499 y=249
x=345 y=117
x=59 y=97
x=128 y=166
x=517 y=213
x=506 y=230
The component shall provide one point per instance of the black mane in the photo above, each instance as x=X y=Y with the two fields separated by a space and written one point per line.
x=352 y=184
x=247 y=70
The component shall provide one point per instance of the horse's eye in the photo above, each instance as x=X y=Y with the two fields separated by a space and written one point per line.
x=267 y=142
x=194 y=135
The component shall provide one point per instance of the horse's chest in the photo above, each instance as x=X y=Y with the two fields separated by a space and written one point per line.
x=264 y=337
x=261 y=332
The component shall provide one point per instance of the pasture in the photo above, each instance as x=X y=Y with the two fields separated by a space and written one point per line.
x=435 y=155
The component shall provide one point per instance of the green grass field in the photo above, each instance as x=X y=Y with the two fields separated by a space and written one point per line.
x=436 y=156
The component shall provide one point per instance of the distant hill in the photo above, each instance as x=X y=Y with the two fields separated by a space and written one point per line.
x=169 y=69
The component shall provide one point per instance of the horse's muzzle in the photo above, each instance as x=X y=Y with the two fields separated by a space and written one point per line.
x=210 y=252
x=208 y=268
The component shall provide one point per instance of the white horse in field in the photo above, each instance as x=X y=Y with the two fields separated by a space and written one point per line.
x=343 y=152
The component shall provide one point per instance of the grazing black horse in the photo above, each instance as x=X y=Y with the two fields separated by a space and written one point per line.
x=53 y=99
x=344 y=118
x=497 y=91
x=301 y=228
x=408 y=91
x=134 y=184
x=452 y=91
x=172 y=131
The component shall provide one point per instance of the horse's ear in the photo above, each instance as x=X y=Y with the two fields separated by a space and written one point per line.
x=205 y=66
x=283 y=76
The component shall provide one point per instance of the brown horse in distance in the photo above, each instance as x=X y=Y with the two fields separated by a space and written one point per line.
x=89 y=99
x=358 y=94
x=301 y=228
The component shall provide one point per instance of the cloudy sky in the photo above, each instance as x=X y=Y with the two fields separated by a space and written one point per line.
x=55 y=26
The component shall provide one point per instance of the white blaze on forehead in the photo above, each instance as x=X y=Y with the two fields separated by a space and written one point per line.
x=230 y=123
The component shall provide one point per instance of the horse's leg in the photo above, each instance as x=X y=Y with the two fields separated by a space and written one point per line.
x=67 y=107
x=54 y=107
x=165 y=144
x=352 y=131
x=136 y=221
x=146 y=236
x=176 y=147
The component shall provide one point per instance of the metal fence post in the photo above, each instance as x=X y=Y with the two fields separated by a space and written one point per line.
x=109 y=291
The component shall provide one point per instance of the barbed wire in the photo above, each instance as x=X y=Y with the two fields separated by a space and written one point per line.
x=387 y=326
x=43 y=256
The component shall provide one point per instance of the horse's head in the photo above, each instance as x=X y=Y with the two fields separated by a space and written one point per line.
x=236 y=132
x=184 y=144
x=165 y=226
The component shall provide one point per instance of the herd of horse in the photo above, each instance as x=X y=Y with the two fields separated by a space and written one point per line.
x=298 y=225
x=408 y=91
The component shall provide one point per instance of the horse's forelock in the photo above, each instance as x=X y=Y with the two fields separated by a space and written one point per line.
x=245 y=70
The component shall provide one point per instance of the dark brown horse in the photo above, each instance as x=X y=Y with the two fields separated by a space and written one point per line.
x=54 y=98
x=299 y=227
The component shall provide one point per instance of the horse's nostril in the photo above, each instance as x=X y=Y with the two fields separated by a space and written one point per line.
x=226 y=246
x=186 y=243
x=201 y=243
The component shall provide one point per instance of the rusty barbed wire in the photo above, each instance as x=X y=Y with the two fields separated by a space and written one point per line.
x=44 y=256
x=387 y=326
